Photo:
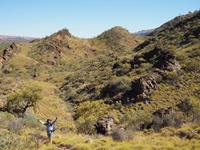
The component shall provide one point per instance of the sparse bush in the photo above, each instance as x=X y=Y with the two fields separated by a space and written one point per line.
x=138 y=120
x=86 y=115
x=120 y=134
x=5 y=118
x=11 y=141
x=16 y=126
x=194 y=53
x=185 y=106
x=191 y=107
x=121 y=69
x=168 y=131
x=171 y=77
x=19 y=101
x=171 y=119
x=8 y=141
x=30 y=120
x=116 y=87
x=192 y=66
x=188 y=135
x=181 y=57
x=86 y=127
x=188 y=132
x=146 y=66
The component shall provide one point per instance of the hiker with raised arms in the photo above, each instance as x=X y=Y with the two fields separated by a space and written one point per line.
x=50 y=127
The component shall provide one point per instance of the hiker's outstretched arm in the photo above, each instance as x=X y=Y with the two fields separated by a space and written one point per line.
x=54 y=121
x=42 y=122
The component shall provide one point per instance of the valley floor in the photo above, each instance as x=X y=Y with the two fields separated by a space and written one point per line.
x=167 y=139
x=140 y=142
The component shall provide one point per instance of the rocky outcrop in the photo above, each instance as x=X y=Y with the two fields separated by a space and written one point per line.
x=162 y=59
x=142 y=88
x=166 y=60
x=54 y=46
x=7 y=53
x=145 y=85
x=61 y=35
x=159 y=57
x=104 y=125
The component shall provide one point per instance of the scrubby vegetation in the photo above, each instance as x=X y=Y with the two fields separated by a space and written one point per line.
x=17 y=103
x=138 y=92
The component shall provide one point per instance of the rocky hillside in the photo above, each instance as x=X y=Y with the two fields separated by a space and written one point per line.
x=118 y=38
x=117 y=84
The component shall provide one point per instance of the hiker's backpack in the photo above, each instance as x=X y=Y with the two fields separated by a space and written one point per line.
x=51 y=127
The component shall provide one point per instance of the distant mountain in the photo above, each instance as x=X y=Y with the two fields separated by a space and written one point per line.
x=144 y=32
x=6 y=38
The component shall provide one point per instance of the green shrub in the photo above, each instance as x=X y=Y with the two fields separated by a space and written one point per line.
x=171 y=77
x=171 y=119
x=8 y=141
x=11 y=141
x=115 y=87
x=30 y=120
x=121 y=69
x=120 y=134
x=185 y=106
x=192 y=66
x=87 y=113
x=194 y=53
x=181 y=57
x=18 y=102
x=138 y=120
x=86 y=127
x=16 y=126
x=191 y=107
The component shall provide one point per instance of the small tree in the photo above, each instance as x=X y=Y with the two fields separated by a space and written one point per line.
x=17 y=103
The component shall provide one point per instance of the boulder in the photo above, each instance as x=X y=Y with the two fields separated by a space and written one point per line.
x=104 y=125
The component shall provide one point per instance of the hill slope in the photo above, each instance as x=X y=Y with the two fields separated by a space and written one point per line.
x=116 y=83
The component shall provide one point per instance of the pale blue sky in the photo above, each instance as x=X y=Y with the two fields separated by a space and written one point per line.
x=87 y=18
